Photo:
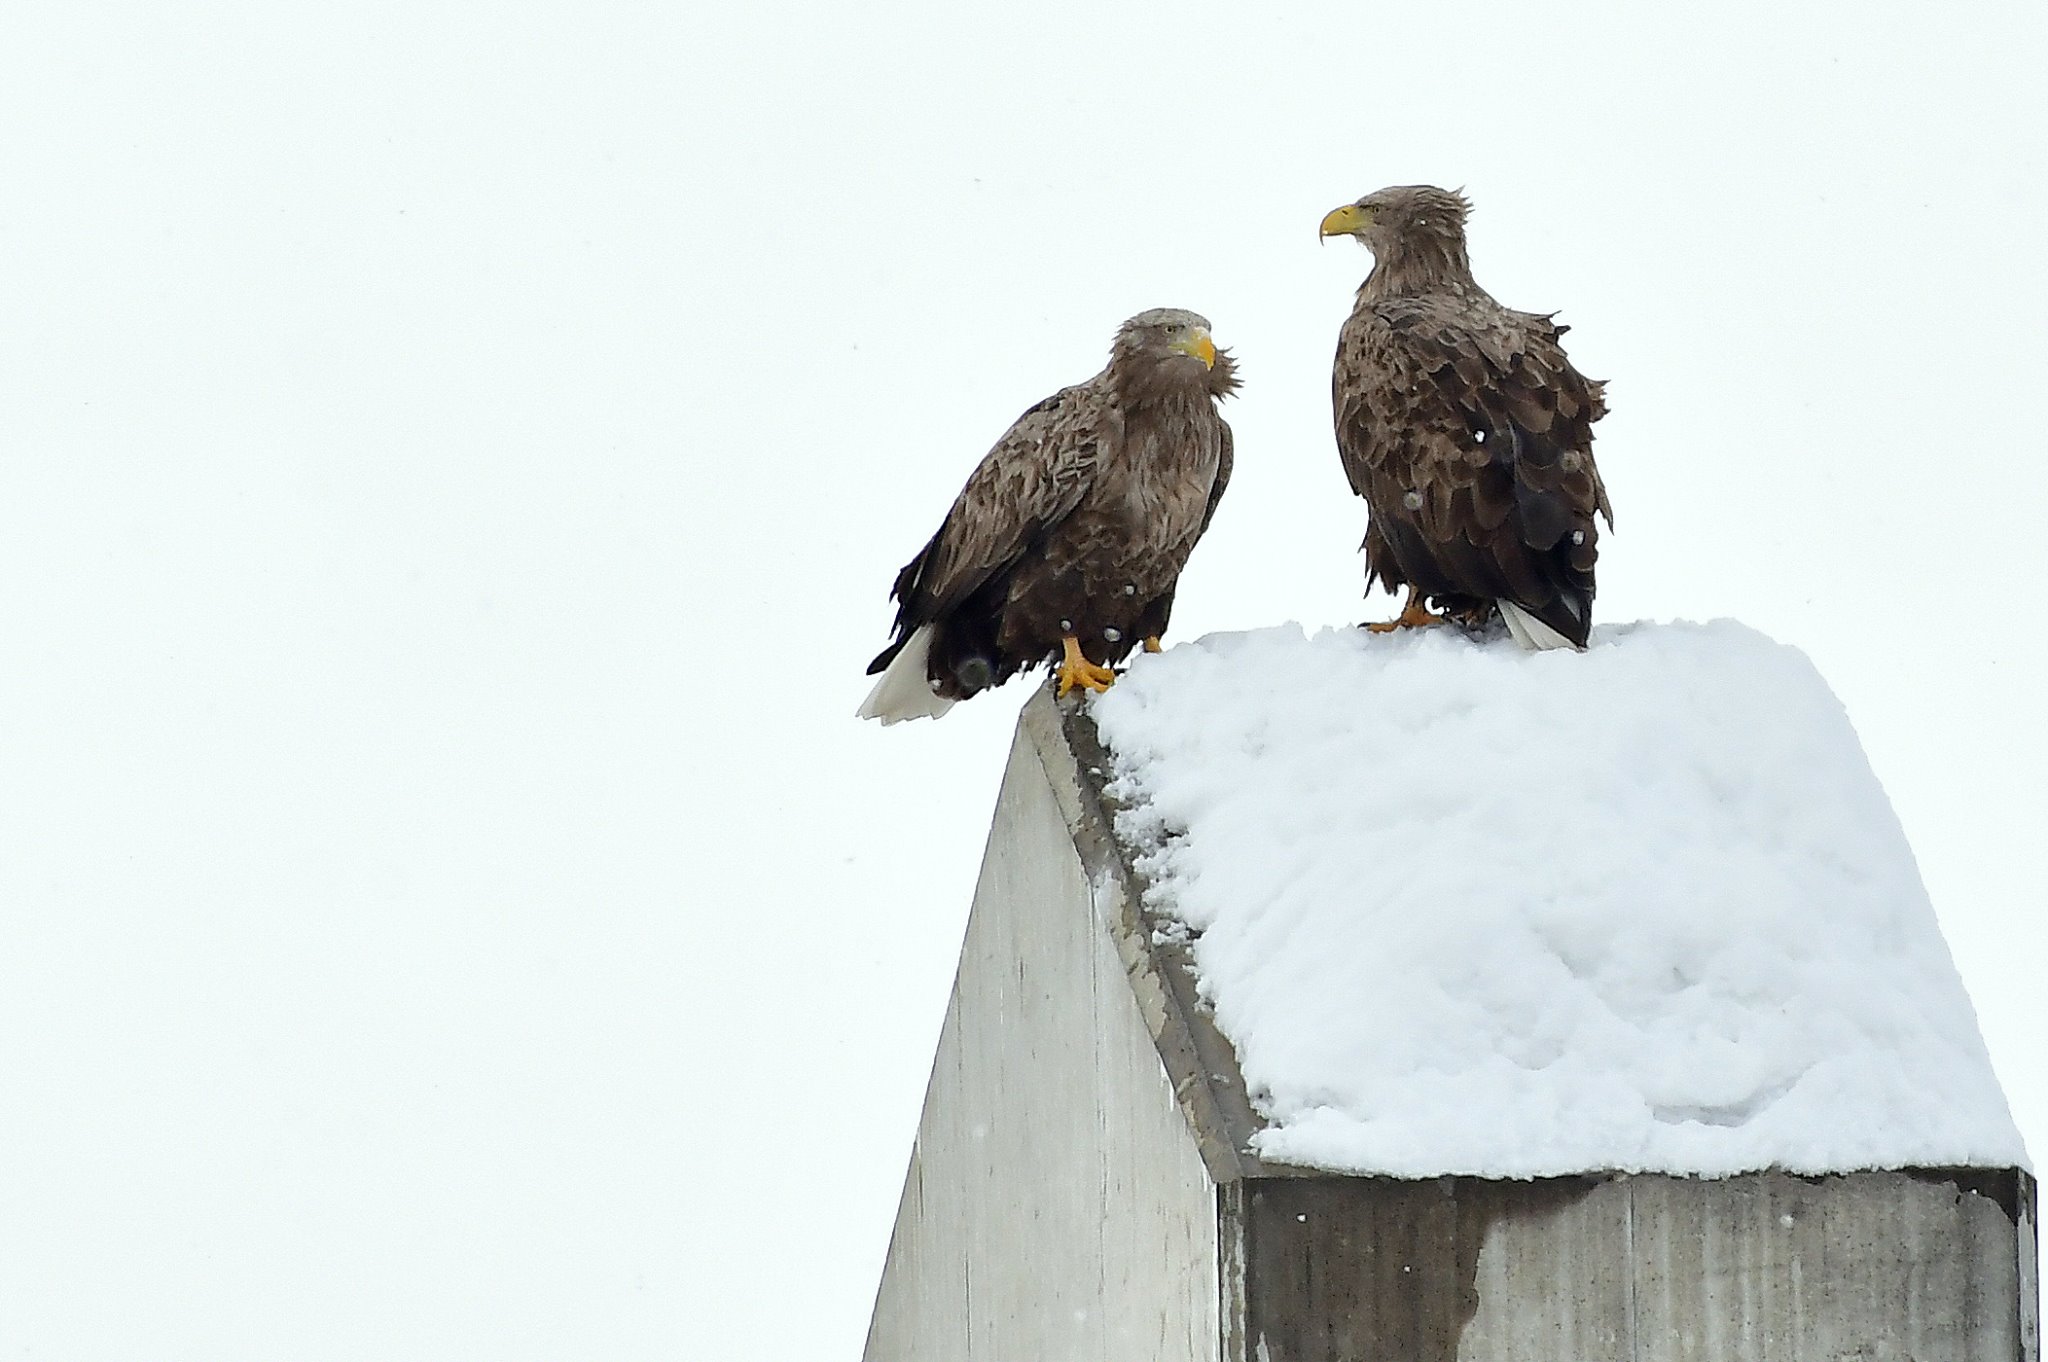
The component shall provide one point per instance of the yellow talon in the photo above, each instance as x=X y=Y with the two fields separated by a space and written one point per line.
x=1414 y=615
x=1077 y=670
x=1152 y=644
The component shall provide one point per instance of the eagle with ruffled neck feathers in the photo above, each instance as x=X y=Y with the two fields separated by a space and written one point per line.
x=1068 y=540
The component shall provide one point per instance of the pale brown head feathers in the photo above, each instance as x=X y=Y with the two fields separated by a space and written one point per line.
x=1416 y=233
x=1169 y=349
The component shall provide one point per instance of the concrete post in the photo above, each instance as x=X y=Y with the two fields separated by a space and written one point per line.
x=1082 y=1188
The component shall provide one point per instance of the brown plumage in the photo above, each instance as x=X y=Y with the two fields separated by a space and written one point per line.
x=1071 y=535
x=1465 y=428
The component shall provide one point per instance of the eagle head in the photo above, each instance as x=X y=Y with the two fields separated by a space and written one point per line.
x=1170 y=340
x=1400 y=214
x=1168 y=329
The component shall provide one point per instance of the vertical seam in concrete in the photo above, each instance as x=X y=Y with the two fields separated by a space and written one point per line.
x=1630 y=1268
x=1216 y=1266
x=967 y=1340
x=1233 y=1291
x=2025 y=1250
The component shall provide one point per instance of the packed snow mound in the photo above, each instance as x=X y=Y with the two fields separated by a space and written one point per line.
x=1465 y=909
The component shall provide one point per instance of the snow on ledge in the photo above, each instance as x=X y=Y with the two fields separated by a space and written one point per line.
x=1465 y=909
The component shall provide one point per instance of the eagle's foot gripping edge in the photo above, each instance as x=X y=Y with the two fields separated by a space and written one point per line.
x=1414 y=615
x=1077 y=670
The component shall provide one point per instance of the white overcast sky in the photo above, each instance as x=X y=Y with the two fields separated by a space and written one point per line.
x=453 y=458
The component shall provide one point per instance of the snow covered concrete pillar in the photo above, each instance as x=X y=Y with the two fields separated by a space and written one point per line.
x=1549 y=1007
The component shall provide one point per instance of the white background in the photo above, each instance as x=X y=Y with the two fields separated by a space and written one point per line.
x=452 y=460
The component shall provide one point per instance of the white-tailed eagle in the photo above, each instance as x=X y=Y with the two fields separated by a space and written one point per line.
x=1466 y=430
x=1067 y=542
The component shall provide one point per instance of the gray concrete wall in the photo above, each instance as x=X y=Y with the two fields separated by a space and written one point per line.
x=1866 y=1267
x=1057 y=1207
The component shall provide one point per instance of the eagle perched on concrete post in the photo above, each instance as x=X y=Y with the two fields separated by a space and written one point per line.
x=1466 y=430
x=1067 y=542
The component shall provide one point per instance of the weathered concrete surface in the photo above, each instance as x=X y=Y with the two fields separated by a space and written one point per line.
x=1082 y=1186
x=1883 y=1267
x=1057 y=1205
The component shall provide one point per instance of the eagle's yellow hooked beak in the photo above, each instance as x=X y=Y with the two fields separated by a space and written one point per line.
x=1196 y=342
x=1346 y=221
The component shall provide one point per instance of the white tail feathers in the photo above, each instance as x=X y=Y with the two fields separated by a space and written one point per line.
x=1529 y=631
x=903 y=691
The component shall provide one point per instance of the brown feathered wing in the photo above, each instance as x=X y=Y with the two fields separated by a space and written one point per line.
x=1028 y=482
